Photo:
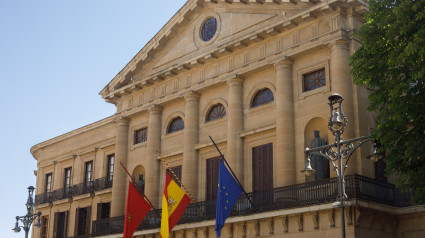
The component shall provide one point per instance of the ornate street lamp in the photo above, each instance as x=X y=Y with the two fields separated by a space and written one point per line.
x=338 y=151
x=28 y=219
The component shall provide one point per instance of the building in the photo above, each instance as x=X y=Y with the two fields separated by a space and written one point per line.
x=254 y=75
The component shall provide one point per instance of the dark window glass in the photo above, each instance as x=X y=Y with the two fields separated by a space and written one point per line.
x=89 y=173
x=262 y=167
x=262 y=97
x=44 y=226
x=314 y=80
x=67 y=179
x=82 y=221
x=380 y=171
x=60 y=225
x=178 y=172
x=110 y=172
x=209 y=28
x=141 y=135
x=103 y=210
x=176 y=125
x=48 y=183
x=217 y=111
x=212 y=178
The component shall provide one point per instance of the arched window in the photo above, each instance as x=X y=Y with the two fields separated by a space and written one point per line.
x=176 y=125
x=216 y=112
x=262 y=97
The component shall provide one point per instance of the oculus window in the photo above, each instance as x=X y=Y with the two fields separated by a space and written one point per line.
x=208 y=29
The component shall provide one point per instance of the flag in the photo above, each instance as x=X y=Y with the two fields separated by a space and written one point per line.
x=174 y=203
x=136 y=210
x=227 y=195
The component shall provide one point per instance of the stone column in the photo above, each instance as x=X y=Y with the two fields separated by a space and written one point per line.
x=153 y=164
x=235 y=125
x=285 y=126
x=191 y=135
x=342 y=83
x=120 y=177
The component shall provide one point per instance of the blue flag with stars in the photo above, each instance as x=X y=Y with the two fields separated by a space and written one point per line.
x=227 y=195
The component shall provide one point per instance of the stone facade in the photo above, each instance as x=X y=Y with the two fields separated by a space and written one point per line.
x=255 y=45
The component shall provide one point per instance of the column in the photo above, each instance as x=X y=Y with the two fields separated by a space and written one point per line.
x=342 y=83
x=119 y=179
x=191 y=135
x=285 y=126
x=153 y=164
x=235 y=125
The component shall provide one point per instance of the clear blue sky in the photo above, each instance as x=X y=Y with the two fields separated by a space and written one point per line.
x=55 y=57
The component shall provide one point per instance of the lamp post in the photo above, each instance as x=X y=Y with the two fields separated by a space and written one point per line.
x=29 y=217
x=338 y=151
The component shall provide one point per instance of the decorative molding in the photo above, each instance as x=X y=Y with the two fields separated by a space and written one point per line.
x=315 y=218
x=257 y=228
x=243 y=230
x=349 y=216
x=285 y=222
x=206 y=232
x=300 y=222
x=270 y=224
x=331 y=216
x=230 y=230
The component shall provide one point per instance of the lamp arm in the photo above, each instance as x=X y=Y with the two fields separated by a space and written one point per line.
x=352 y=149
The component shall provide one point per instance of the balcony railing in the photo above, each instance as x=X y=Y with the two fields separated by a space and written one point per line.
x=78 y=189
x=299 y=195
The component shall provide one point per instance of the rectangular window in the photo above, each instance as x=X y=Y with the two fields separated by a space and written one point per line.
x=178 y=172
x=60 y=225
x=262 y=168
x=103 y=210
x=67 y=179
x=110 y=172
x=48 y=187
x=82 y=221
x=44 y=226
x=313 y=80
x=140 y=135
x=212 y=178
x=88 y=174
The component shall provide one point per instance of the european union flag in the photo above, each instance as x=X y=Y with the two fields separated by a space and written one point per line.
x=227 y=195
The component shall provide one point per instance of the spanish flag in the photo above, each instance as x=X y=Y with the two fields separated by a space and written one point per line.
x=136 y=210
x=174 y=203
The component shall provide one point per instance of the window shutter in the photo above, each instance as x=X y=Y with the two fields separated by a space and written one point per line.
x=77 y=214
x=55 y=224
x=262 y=168
x=212 y=177
x=88 y=220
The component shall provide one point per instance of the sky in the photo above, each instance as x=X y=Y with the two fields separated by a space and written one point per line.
x=55 y=58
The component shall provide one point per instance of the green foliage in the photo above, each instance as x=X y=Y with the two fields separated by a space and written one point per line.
x=391 y=62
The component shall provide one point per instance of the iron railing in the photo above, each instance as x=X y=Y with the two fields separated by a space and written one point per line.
x=299 y=195
x=78 y=189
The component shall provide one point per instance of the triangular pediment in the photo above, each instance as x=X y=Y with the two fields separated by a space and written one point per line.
x=179 y=46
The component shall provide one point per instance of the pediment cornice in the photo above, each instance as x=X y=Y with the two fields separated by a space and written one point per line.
x=124 y=83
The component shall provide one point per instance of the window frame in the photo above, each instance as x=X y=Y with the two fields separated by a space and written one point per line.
x=88 y=174
x=66 y=179
x=257 y=95
x=49 y=183
x=310 y=69
x=209 y=118
x=143 y=138
x=171 y=124
x=109 y=173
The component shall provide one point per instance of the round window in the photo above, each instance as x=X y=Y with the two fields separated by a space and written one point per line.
x=209 y=28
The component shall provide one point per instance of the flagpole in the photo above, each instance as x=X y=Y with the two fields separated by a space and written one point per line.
x=175 y=176
x=134 y=182
x=236 y=178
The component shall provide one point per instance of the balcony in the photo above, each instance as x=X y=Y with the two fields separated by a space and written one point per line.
x=78 y=189
x=299 y=195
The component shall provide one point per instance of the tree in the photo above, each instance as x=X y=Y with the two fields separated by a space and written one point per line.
x=391 y=62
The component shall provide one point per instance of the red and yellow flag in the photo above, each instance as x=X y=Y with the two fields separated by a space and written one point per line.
x=136 y=210
x=174 y=203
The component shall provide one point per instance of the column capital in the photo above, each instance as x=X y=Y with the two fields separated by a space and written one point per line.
x=192 y=95
x=155 y=109
x=122 y=120
x=283 y=64
x=341 y=43
x=235 y=81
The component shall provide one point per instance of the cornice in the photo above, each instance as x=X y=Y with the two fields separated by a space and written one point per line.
x=159 y=41
x=36 y=148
